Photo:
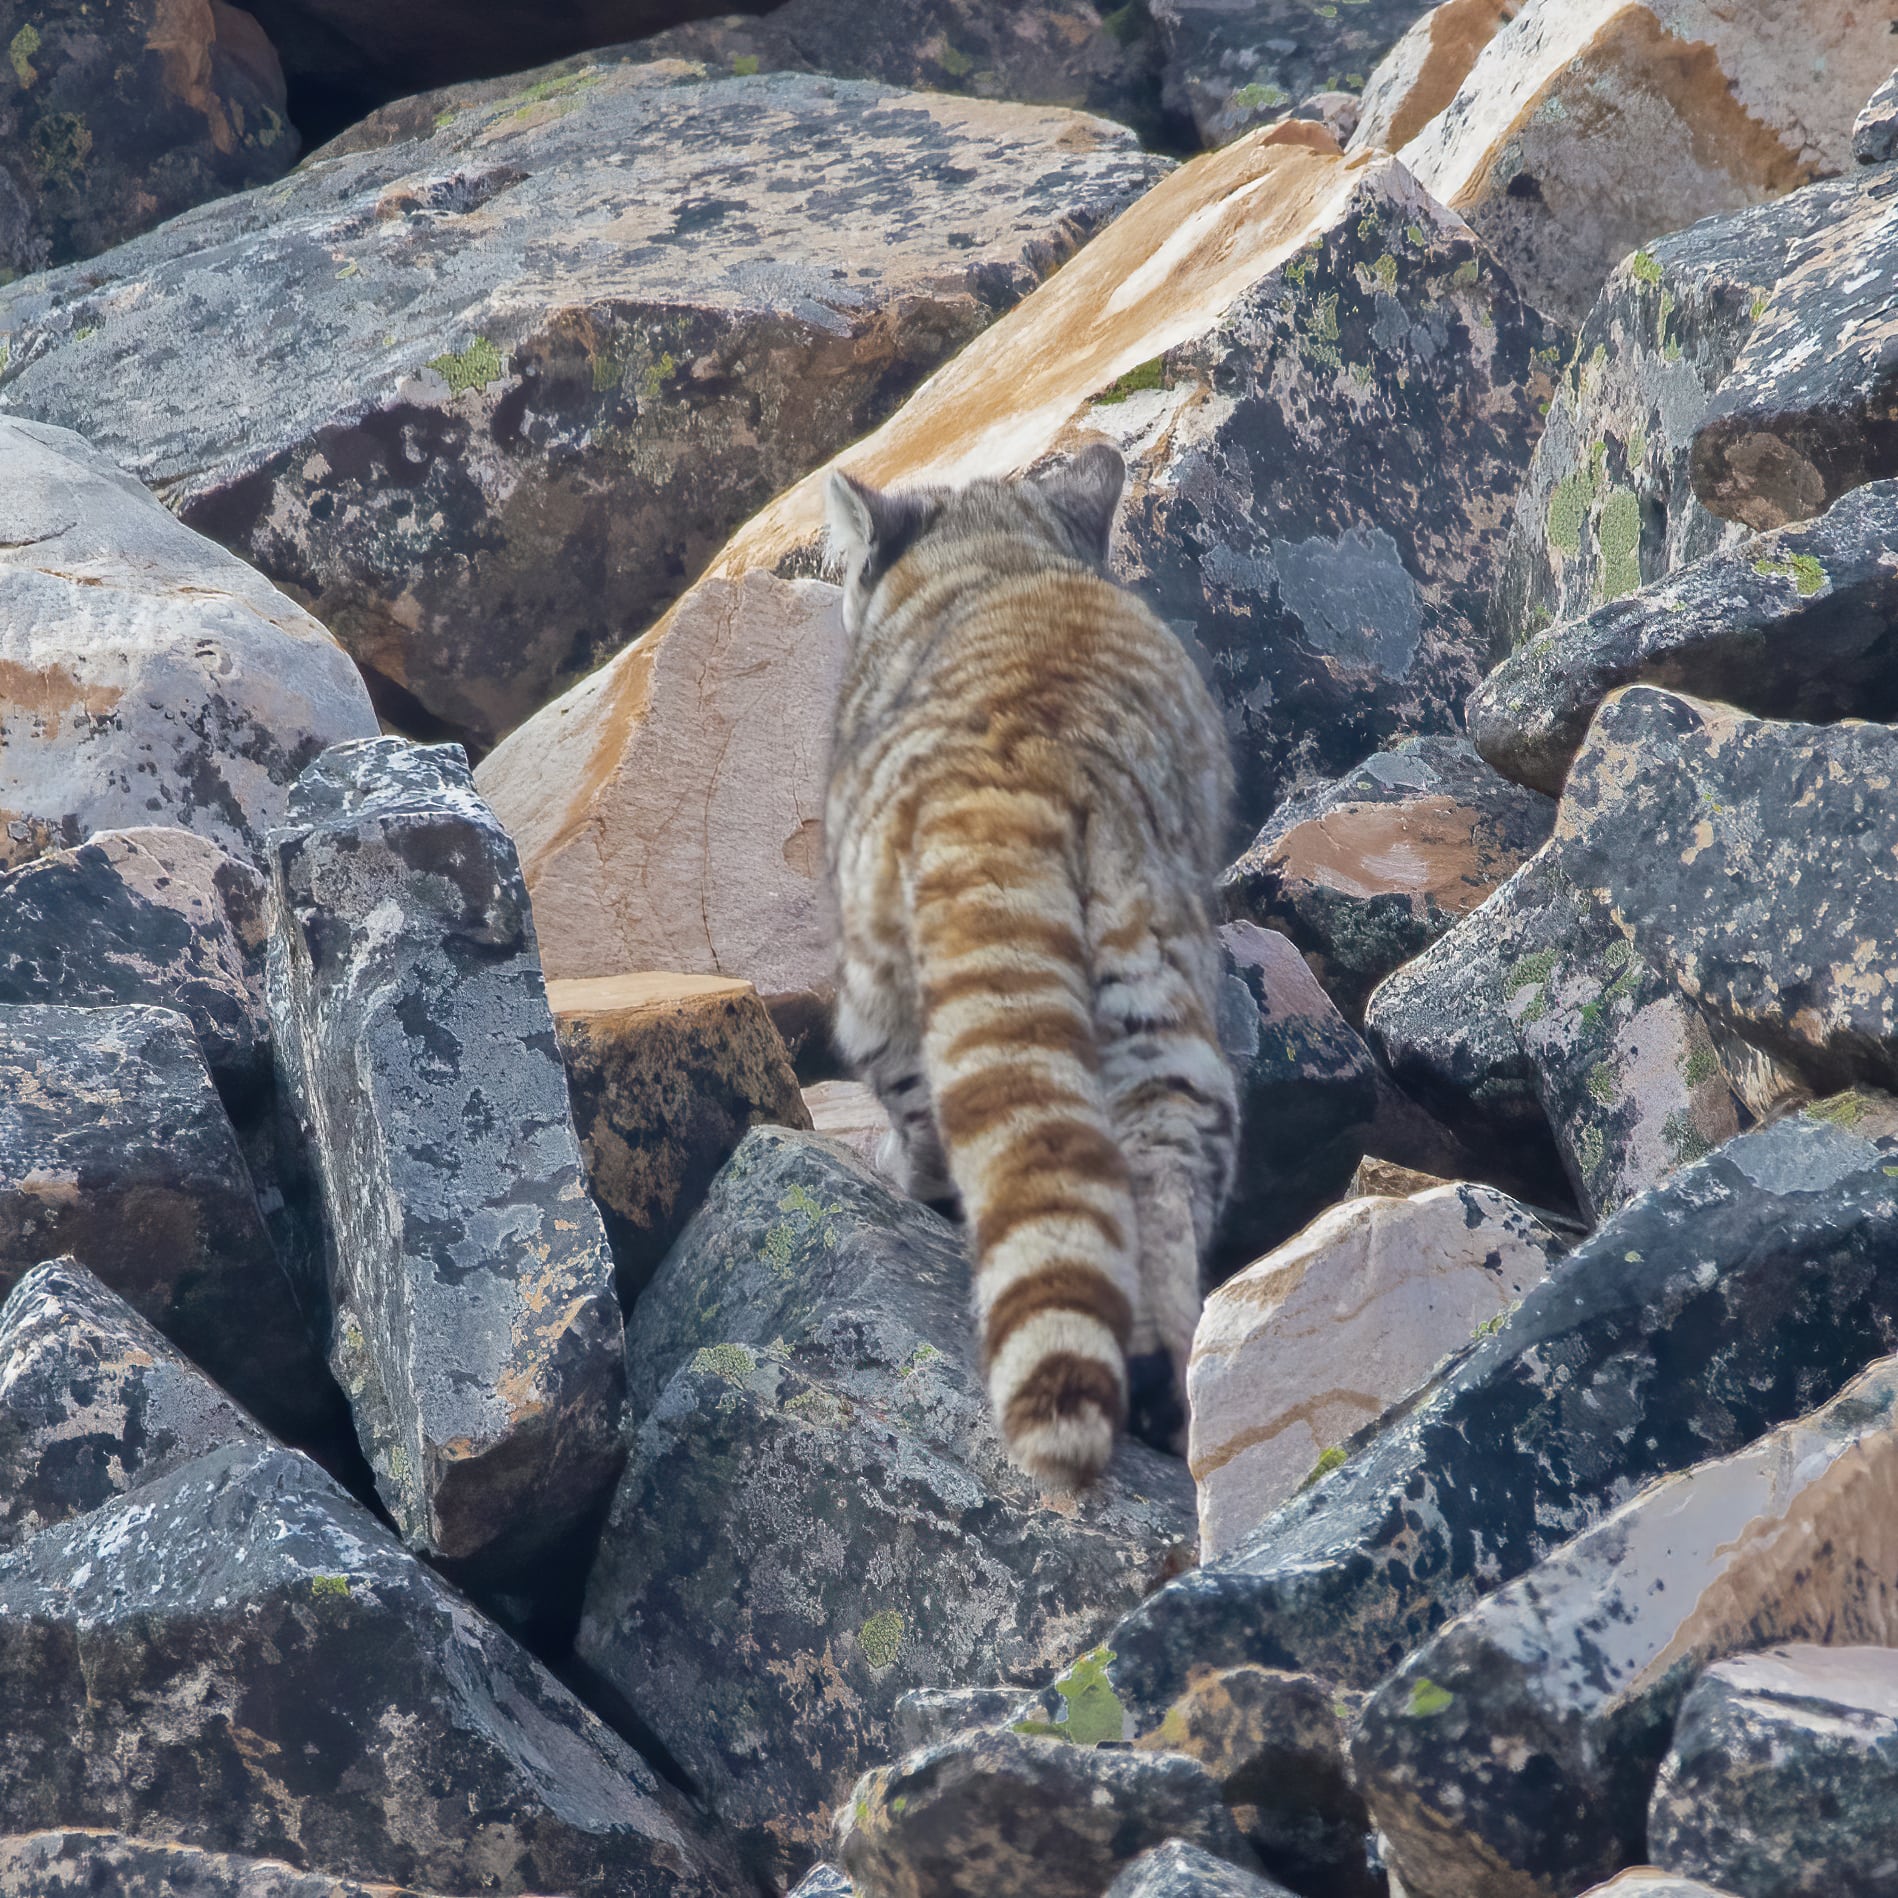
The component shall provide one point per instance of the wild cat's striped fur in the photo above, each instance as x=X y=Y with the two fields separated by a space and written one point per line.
x=1027 y=802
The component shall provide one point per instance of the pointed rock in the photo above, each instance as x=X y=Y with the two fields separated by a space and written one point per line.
x=1179 y=1870
x=1423 y=72
x=1875 y=130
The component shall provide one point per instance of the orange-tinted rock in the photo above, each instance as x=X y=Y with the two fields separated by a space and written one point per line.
x=1423 y=72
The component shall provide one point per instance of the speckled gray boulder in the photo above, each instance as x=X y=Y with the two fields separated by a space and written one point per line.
x=1796 y=624
x=93 y=1401
x=115 y=1148
x=494 y=394
x=74 y=1862
x=1000 y=1815
x=1782 y=1780
x=1875 y=130
x=1179 y=1870
x=816 y=1493
x=468 y=1286
x=239 y=1657
x=1515 y=1752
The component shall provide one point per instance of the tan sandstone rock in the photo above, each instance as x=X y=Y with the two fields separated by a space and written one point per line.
x=850 y=1112
x=1317 y=1339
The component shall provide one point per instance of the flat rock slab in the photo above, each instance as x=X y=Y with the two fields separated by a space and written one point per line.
x=1875 y=130
x=507 y=385
x=115 y=1148
x=1783 y=1776
x=146 y=675
x=1312 y=1343
x=1514 y=1753
x=667 y=1073
x=151 y=915
x=239 y=1657
x=468 y=1285
x=1179 y=1870
x=1365 y=872
x=76 y=1863
x=802 y=1367
x=1796 y=624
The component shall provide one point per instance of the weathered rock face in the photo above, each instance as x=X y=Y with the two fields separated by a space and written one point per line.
x=469 y=1288
x=1306 y=1347
x=1645 y=1882
x=1797 y=624
x=1423 y=72
x=849 y=1111
x=927 y=1714
x=1367 y=871
x=824 y=1881
x=115 y=1148
x=239 y=1657
x=77 y=1863
x=666 y=1073
x=112 y=122
x=146 y=676
x=1589 y=127
x=1178 y=1870
x=1750 y=860
x=1514 y=1753
x=997 y=1815
x=156 y=916
x=1875 y=130
x=802 y=1365
x=93 y=1402
x=507 y=385
x=1783 y=1776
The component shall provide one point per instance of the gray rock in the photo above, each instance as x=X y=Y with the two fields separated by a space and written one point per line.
x=1875 y=130
x=1514 y=1753
x=146 y=676
x=239 y=1657
x=1643 y=1881
x=927 y=1714
x=93 y=1402
x=1782 y=1780
x=816 y=1494
x=1179 y=1870
x=506 y=386
x=823 y=1881
x=468 y=1285
x=114 y=1148
x=1796 y=624
x=997 y=1815
x=73 y=1862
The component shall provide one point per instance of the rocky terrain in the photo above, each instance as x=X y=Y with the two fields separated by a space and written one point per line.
x=474 y=1418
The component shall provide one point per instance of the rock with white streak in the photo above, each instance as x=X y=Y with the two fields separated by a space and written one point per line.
x=1422 y=73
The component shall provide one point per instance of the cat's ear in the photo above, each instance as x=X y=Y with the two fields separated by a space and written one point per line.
x=869 y=528
x=1085 y=492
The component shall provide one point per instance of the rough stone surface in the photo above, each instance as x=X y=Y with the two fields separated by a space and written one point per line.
x=927 y=1714
x=1782 y=1780
x=1875 y=130
x=506 y=386
x=824 y=1881
x=666 y=1073
x=151 y=915
x=239 y=1657
x=115 y=1148
x=468 y=1285
x=146 y=676
x=113 y=120
x=77 y=1863
x=1423 y=72
x=1587 y=128
x=1796 y=624
x=1750 y=860
x=1304 y=1348
x=1514 y=1753
x=1367 y=871
x=817 y=1514
x=93 y=1402
x=991 y=1813
x=1178 y=1870
x=849 y=1111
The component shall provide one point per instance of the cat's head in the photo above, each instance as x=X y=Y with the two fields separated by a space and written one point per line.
x=1069 y=508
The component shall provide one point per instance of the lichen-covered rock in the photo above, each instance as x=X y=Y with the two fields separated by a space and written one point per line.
x=1875 y=130
x=93 y=1402
x=115 y=1148
x=146 y=676
x=1807 y=413
x=1589 y=127
x=148 y=915
x=1422 y=73
x=1782 y=1780
x=1751 y=861
x=1796 y=624
x=239 y=1657
x=75 y=1862
x=1275 y=1742
x=1307 y=1346
x=467 y=1280
x=112 y=120
x=667 y=1073
x=503 y=388
x=1365 y=872
x=1000 y=1815
x=817 y=1514
x=1179 y=1870
x=1514 y=1753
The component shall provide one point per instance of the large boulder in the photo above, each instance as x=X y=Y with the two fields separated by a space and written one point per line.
x=1514 y=1753
x=466 y=1280
x=76 y=1862
x=817 y=1514
x=508 y=384
x=146 y=676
